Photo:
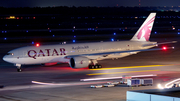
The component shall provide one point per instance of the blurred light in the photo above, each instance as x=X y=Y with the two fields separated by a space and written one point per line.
x=160 y=86
x=114 y=33
x=155 y=32
x=49 y=30
x=112 y=39
x=74 y=40
x=12 y=17
x=32 y=42
x=2 y=31
x=53 y=35
x=119 y=77
x=164 y=48
x=27 y=31
x=5 y=38
x=42 y=83
x=170 y=84
x=72 y=30
x=37 y=45
x=5 y=31
x=64 y=42
x=74 y=36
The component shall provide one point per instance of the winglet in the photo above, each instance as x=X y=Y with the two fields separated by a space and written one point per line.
x=144 y=31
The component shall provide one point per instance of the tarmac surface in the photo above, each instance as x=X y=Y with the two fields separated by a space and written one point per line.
x=62 y=83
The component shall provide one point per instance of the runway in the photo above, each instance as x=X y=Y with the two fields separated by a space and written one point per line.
x=62 y=83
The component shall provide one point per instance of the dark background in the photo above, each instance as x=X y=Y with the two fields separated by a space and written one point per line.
x=77 y=24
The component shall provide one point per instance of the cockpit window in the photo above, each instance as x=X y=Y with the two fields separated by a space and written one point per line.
x=9 y=54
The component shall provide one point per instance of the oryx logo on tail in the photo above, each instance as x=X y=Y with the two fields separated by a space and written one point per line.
x=143 y=33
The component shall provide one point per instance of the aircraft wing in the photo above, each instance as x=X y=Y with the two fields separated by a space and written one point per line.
x=156 y=44
x=114 y=52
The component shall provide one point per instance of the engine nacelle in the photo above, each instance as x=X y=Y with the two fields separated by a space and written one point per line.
x=79 y=62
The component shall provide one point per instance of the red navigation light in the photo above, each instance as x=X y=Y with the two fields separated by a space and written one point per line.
x=164 y=48
x=37 y=45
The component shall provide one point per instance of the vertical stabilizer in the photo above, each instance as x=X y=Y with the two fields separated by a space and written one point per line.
x=144 y=31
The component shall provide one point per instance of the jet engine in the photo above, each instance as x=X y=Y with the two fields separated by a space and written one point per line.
x=79 y=62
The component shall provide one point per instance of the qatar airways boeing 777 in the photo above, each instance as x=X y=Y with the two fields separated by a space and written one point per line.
x=82 y=55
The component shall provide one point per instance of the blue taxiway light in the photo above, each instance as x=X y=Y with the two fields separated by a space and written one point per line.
x=112 y=39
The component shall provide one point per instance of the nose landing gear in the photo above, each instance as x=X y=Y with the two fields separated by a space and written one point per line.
x=18 y=67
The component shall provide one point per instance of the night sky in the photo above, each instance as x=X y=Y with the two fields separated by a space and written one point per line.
x=98 y=3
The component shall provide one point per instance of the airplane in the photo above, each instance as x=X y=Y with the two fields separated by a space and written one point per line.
x=81 y=55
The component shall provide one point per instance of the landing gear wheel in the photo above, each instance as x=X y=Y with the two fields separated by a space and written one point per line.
x=19 y=70
x=99 y=66
x=94 y=66
x=90 y=66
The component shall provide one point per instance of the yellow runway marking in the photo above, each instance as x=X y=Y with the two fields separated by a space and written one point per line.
x=124 y=72
x=130 y=67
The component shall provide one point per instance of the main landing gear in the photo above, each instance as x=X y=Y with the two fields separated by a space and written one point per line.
x=94 y=65
x=18 y=67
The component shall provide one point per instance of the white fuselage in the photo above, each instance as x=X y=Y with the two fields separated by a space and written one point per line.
x=60 y=53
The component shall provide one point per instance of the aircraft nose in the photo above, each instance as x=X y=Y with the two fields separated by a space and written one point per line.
x=7 y=59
